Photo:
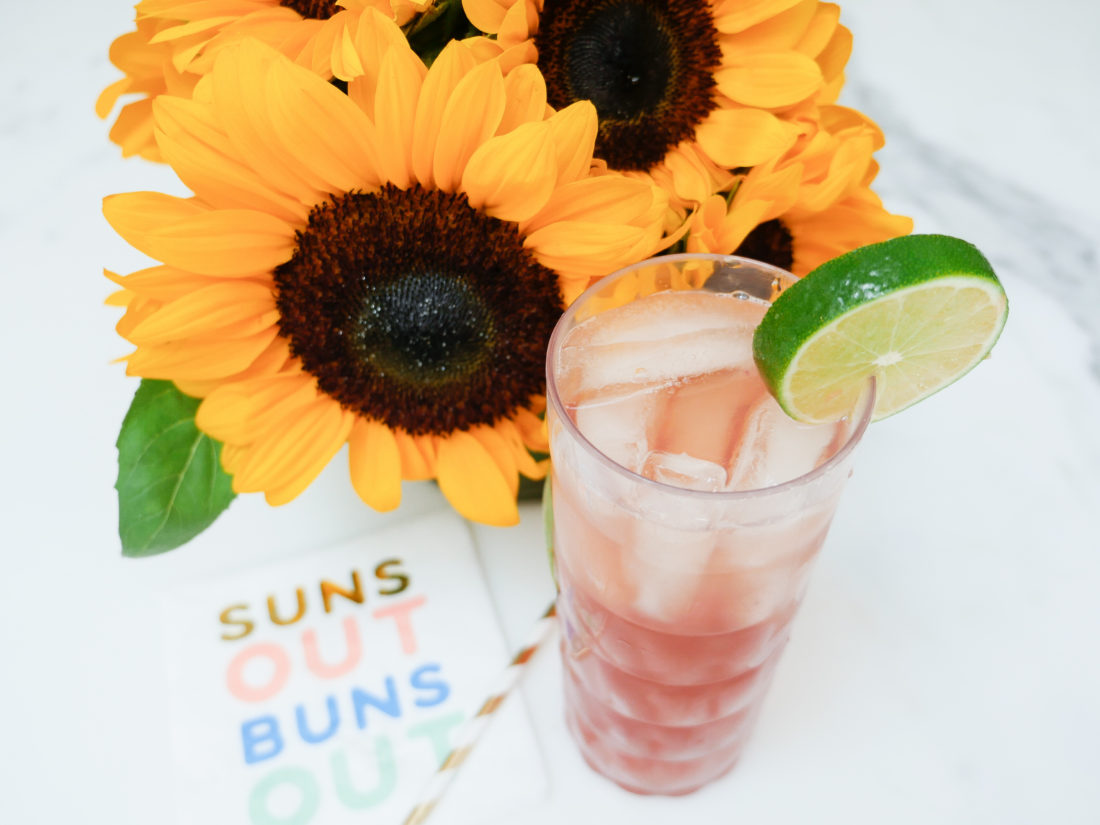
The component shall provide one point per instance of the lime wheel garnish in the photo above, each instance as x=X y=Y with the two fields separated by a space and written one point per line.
x=916 y=312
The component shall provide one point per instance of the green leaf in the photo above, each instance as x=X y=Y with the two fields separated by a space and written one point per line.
x=433 y=30
x=171 y=485
x=548 y=527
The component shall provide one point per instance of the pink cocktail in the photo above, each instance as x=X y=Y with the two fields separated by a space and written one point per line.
x=688 y=510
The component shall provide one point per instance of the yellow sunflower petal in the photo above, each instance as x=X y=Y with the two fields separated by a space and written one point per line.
x=279 y=26
x=486 y=50
x=834 y=57
x=118 y=298
x=780 y=190
x=511 y=176
x=840 y=120
x=572 y=287
x=375 y=35
x=820 y=31
x=232 y=457
x=487 y=15
x=208 y=310
x=473 y=483
x=304 y=474
x=574 y=134
x=783 y=31
x=706 y=225
x=532 y=428
x=278 y=431
x=471 y=116
x=525 y=462
x=452 y=64
x=738 y=15
x=846 y=170
x=229 y=412
x=297 y=128
x=744 y=137
x=584 y=247
x=605 y=199
x=183 y=58
x=267 y=363
x=857 y=220
x=192 y=27
x=109 y=97
x=402 y=11
x=285 y=463
x=399 y=81
x=325 y=131
x=502 y=453
x=517 y=55
x=770 y=80
x=375 y=464
x=417 y=456
x=692 y=181
x=323 y=47
x=345 y=57
x=228 y=242
x=162 y=283
x=525 y=96
x=199 y=360
x=520 y=22
x=730 y=230
x=133 y=131
x=141 y=212
x=238 y=88
x=200 y=153
x=138 y=308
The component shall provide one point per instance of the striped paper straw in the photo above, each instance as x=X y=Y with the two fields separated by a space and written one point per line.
x=469 y=734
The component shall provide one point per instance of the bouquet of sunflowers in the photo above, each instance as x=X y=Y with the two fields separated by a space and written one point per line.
x=394 y=201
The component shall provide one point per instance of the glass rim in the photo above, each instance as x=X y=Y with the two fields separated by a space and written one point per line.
x=861 y=413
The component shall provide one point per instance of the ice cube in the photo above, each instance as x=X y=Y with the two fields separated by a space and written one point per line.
x=703 y=417
x=683 y=470
x=669 y=551
x=656 y=361
x=668 y=568
x=791 y=536
x=775 y=448
x=617 y=423
x=662 y=337
x=665 y=315
x=756 y=595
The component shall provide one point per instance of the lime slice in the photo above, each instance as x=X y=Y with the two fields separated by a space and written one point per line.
x=917 y=312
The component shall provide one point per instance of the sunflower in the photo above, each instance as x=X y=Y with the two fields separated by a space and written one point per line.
x=686 y=90
x=174 y=42
x=807 y=206
x=380 y=268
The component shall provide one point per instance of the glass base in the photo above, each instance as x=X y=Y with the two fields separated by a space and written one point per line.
x=644 y=775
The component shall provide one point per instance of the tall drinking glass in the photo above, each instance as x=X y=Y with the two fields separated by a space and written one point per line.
x=688 y=510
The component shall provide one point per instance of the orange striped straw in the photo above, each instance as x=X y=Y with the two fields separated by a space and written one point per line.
x=474 y=727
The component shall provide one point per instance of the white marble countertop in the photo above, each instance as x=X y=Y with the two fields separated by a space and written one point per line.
x=945 y=666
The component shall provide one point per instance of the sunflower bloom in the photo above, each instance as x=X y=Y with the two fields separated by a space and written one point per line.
x=686 y=90
x=807 y=206
x=380 y=269
x=174 y=43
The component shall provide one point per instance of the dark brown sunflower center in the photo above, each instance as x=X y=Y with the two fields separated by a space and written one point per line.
x=770 y=242
x=621 y=60
x=425 y=327
x=413 y=308
x=647 y=66
x=315 y=9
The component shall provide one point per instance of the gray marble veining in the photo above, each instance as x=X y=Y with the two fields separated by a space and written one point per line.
x=1023 y=229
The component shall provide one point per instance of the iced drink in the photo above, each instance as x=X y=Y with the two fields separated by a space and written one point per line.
x=688 y=509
